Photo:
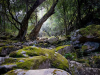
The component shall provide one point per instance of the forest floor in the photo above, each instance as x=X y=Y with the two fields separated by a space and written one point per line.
x=46 y=53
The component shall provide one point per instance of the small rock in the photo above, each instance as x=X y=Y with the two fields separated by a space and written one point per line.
x=21 y=60
x=23 y=52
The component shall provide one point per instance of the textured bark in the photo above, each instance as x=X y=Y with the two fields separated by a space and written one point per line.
x=24 y=23
x=37 y=28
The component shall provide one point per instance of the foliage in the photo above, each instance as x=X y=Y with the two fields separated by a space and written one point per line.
x=71 y=56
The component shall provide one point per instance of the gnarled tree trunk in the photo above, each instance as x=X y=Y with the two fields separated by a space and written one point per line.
x=24 y=23
x=37 y=28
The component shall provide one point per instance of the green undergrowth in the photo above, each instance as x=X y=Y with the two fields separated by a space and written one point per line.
x=71 y=56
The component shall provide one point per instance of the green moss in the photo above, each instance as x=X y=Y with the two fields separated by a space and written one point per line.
x=31 y=63
x=59 y=47
x=40 y=44
x=11 y=73
x=93 y=30
x=4 y=47
x=45 y=44
x=84 y=47
x=96 y=58
x=10 y=61
x=1 y=49
x=54 y=72
x=16 y=54
x=41 y=55
x=83 y=60
x=60 y=62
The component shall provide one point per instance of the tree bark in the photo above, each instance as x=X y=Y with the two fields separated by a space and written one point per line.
x=64 y=18
x=79 y=12
x=37 y=28
x=24 y=23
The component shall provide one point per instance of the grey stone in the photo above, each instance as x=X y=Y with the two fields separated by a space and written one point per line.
x=50 y=71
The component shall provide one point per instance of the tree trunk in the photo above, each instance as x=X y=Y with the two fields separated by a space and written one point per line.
x=0 y=18
x=24 y=23
x=37 y=28
x=79 y=13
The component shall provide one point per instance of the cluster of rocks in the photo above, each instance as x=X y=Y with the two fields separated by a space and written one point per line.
x=27 y=59
x=87 y=39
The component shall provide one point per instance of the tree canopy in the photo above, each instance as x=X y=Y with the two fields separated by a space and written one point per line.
x=20 y=17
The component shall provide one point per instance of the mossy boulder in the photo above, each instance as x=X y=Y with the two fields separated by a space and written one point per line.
x=64 y=49
x=39 y=56
x=6 y=50
x=53 y=40
x=87 y=39
x=90 y=33
x=77 y=68
x=91 y=30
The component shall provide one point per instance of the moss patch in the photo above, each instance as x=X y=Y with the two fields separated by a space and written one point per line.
x=10 y=61
x=1 y=49
x=84 y=47
x=59 y=62
x=16 y=54
x=31 y=63
x=60 y=47
x=92 y=30
x=83 y=61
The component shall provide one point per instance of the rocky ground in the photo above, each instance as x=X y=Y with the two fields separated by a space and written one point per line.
x=75 y=55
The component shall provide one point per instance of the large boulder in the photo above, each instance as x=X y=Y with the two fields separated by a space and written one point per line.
x=37 y=58
x=90 y=33
x=53 y=40
x=90 y=47
x=89 y=36
x=64 y=49
x=6 y=50
x=77 y=68
x=6 y=68
x=50 y=71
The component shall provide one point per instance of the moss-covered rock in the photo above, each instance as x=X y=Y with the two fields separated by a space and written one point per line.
x=91 y=30
x=5 y=50
x=33 y=63
x=60 y=47
x=38 y=57
x=64 y=49
x=15 y=54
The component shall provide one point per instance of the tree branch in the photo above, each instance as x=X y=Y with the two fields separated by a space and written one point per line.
x=11 y=13
x=11 y=22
